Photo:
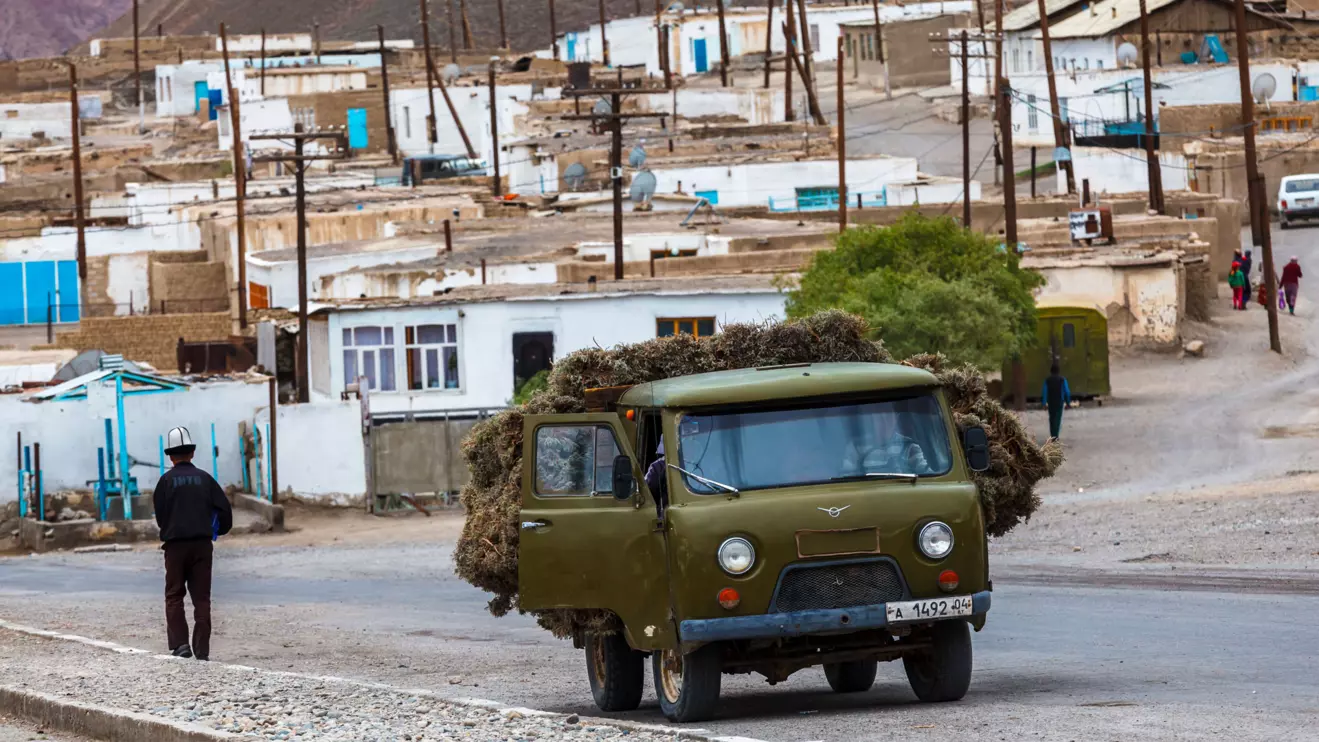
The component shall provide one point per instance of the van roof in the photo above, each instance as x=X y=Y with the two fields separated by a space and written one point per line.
x=776 y=383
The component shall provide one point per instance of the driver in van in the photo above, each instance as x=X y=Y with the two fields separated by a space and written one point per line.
x=887 y=452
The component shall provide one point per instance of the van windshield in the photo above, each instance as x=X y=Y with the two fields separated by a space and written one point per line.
x=1302 y=185
x=769 y=448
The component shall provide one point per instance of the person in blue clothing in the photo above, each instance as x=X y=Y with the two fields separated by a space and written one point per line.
x=1056 y=396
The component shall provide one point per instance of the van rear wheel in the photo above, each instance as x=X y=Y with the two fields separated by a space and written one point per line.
x=616 y=671
x=942 y=672
x=688 y=685
x=851 y=677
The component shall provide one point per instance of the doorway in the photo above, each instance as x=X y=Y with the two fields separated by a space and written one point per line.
x=533 y=352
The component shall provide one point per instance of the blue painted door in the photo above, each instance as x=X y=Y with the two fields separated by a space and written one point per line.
x=70 y=298
x=11 y=293
x=357 y=136
x=711 y=196
x=199 y=94
x=40 y=278
x=217 y=100
x=698 y=54
x=572 y=47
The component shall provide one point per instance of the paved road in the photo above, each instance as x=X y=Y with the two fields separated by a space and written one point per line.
x=1053 y=660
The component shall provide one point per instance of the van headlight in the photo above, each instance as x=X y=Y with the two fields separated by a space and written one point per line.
x=935 y=540
x=737 y=556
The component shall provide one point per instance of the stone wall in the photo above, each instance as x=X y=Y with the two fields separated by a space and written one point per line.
x=1225 y=118
x=190 y=284
x=150 y=338
x=332 y=110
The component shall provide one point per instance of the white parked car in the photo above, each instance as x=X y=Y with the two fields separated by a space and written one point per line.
x=1298 y=198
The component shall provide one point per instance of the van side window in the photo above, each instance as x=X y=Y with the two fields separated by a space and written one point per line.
x=1069 y=335
x=575 y=460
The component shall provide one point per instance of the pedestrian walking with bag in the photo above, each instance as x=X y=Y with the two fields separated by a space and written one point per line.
x=1291 y=283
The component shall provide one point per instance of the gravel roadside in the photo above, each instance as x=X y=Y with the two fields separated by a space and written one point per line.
x=275 y=706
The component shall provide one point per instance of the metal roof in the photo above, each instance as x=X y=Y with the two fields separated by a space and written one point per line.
x=1028 y=15
x=777 y=382
x=134 y=383
x=1103 y=18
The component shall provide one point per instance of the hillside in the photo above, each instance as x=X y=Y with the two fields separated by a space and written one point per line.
x=42 y=28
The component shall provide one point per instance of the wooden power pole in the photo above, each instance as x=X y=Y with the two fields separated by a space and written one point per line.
x=391 y=143
x=554 y=31
x=966 y=136
x=723 y=44
x=503 y=26
x=769 y=38
x=789 y=33
x=496 y=185
x=1155 y=173
x=842 y=143
x=240 y=179
x=604 y=39
x=879 y=48
x=78 y=221
x=137 y=58
x=453 y=35
x=1061 y=140
x=432 y=135
x=1259 y=221
x=468 y=40
x=263 y=62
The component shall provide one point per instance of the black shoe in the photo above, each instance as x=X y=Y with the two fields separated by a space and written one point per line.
x=203 y=659
x=183 y=650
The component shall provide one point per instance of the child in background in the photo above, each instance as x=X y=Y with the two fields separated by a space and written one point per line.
x=1237 y=280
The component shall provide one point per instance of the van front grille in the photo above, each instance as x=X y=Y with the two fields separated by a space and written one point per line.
x=803 y=588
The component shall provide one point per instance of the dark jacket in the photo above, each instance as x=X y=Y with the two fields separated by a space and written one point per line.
x=657 y=481
x=190 y=505
x=1056 y=392
x=1291 y=273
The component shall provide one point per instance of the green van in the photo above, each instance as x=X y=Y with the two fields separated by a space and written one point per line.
x=807 y=515
x=1075 y=332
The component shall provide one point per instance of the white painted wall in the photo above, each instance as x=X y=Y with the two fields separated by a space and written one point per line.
x=529 y=172
x=936 y=192
x=485 y=350
x=127 y=282
x=60 y=243
x=282 y=277
x=409 y=111
x=1152 y=294
x=251 y=43
x=754 y=184
x=176 y=86
x=254 y=117
x=1081 y=55
x=280 y=84
x=754 y=105
x=1119 y=171
x=306 y=433
x=70 y=432
x=22 y=120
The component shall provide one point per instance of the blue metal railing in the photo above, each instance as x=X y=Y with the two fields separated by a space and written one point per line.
x=828 y=201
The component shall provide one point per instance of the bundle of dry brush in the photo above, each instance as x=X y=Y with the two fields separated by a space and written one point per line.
x=486 y=555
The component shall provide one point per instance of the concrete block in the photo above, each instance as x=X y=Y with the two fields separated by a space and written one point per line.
x=268 y=511
x=100 y=722
x=42 y=536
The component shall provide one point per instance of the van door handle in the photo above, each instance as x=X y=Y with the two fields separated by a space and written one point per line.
x=532 y=524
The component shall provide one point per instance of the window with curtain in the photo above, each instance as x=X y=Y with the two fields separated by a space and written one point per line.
x=701 y=327
x=432 y=356
x=369 y=351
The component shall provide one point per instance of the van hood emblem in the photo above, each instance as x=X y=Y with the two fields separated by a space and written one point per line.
x=834 y=512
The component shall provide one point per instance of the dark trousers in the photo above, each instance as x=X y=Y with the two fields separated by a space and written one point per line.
x=1055 y=420
x=188 y=571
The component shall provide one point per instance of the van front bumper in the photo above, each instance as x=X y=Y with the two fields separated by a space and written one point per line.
x=800 y=623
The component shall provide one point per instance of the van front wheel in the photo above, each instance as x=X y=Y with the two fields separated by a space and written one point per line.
x=616 y=671
x=688 y=685
x=942 y=672
x=851 y=677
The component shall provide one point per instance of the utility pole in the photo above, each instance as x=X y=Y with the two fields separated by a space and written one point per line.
x=1151 y=159
x=468 y=41
x=966 y=138
x=811 y=101
x=789 y=35
x=615 y=118
x=879 y=48
x=554 y=31
x=769 y=38
x=240 y=179
x=998 y=49
x=503 y=26
x=453 y=112
x=390 y=141
x=496 y=186
x=604 y=40
x=1259 y=221
x=432 y=135
x=316 y=41
x=1061 y=140
x=78 y=221
x=661 y=44
x=723 y=44
x=263 y=62
x=300 y=160
x=137 y=58
x=453 y=37
x=808 y=53
x=1009 y=174
x=842 y=143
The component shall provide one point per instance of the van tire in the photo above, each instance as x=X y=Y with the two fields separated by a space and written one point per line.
x=851 y=677
x=942 y=672
x=697 y=687
x=616 y=671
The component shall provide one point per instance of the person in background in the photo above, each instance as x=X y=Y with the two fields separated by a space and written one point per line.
x=192 y=511
x=656 y=478
x=1056 y=396
x=1247 y=262
x=1238 y=284
x=1291 y=282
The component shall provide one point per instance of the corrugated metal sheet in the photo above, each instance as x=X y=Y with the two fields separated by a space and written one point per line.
x=1028 y=15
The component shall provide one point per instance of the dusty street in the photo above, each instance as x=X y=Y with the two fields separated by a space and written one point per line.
x=1187 y=509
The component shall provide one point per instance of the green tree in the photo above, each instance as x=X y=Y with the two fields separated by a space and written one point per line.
x=926 y=285
x=530 y=387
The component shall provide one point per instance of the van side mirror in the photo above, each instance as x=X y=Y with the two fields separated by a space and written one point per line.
x=623 y=481
x=976 y=444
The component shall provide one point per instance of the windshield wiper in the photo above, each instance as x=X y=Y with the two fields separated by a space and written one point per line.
x=879 y=475
x=703 y=480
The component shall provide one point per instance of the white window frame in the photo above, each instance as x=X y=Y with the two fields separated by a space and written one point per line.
x=1032 y=115
x=377 y=357
x=411 y=333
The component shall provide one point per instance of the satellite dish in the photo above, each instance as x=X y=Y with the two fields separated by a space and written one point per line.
x=637 y=158
x=643 y=187
x=451 y=72
x=575 y=175
x=1126 y=53
x=675 y=7
x=602 y=107
x=1264 y=87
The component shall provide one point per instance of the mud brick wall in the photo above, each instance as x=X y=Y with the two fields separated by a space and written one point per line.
x=150 y=338
x=1201 y=290
x=189 y=286
x=332 y=110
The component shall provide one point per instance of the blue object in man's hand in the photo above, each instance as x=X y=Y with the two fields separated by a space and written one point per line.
x=215 y=527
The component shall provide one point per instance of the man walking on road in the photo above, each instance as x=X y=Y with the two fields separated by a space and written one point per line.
x=1291 y=282
x=191 y=511
x=1056 y=396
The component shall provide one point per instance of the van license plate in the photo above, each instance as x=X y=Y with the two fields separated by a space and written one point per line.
x=926 y=610
x=1305 y=202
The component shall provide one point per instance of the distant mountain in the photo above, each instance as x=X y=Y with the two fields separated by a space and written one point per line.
x=43 y=28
